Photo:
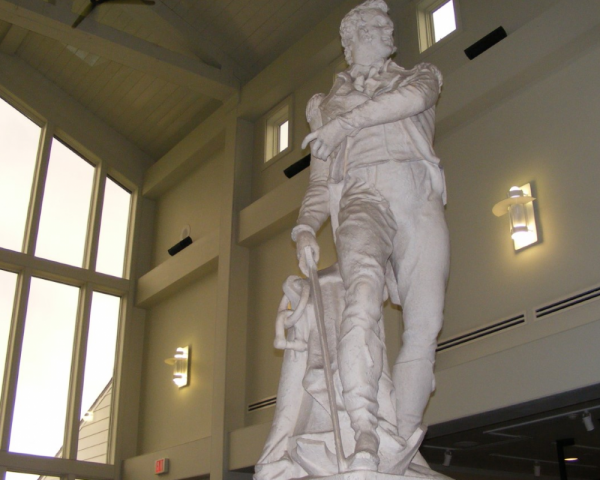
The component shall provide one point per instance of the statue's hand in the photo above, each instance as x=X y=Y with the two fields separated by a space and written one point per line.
x=325 y=139
x=303 y=240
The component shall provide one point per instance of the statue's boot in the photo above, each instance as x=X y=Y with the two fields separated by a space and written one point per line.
x=413 y=382
x=364 y=241
x=365 y=454
x=360 y=362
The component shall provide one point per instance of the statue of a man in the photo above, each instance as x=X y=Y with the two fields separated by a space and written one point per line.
x=375 y=173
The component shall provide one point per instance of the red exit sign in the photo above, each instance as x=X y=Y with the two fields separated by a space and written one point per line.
x=161 y=466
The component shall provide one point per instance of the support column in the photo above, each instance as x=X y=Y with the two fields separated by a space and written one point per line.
x=229 y=384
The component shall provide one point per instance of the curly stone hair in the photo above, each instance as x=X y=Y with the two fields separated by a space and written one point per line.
x=354 y=20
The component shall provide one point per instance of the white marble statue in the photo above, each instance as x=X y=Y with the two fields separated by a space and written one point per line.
x=374 y=172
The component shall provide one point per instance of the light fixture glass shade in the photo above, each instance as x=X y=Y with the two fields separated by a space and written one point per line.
x=447 y=458
x=518 y=221
x=180 y=364
x=588 y=421
x=519 y=206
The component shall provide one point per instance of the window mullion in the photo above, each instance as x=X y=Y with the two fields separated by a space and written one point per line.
x=37 y=192
x=95 y=219
x=15 y=346
x=77 y=373
x=115 y=435
x=134 y=207
x=430 y=27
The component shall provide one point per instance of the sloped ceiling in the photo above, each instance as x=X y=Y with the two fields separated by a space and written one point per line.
x=153 y=72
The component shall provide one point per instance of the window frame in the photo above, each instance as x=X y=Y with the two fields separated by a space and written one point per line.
x=272 y=122
x=425 y=24
x=26 y=265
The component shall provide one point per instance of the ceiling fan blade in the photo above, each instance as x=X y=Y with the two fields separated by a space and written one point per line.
x=86 y=11
x=133 y=2
x=94 y=3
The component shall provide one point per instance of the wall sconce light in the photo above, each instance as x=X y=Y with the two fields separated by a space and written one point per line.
x=447 y=458
x=519 y=206
x=588 y=421
x=537 y=469
x=180 y=364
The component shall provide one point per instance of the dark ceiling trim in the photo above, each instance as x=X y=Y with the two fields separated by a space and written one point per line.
x=533 y=407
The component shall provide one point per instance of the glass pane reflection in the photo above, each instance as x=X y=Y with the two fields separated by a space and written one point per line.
x=113 y=229
x=94 y=430
x=66 y=207
x=18 y=152
x=8 y=284
x=444 y=22
x=28 y=476
x=43 y=385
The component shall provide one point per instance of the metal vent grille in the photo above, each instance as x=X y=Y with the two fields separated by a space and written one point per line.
x=568 y=302
x=481 y=332
x=267 y=402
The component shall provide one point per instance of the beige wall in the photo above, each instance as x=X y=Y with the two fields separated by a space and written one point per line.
x=477 y=19
x=268 y=176
x=195 y=201
x=171 y=416
x=544 y=134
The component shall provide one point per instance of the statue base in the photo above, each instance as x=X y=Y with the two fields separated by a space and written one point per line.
x=412 y=474
x=302 y=444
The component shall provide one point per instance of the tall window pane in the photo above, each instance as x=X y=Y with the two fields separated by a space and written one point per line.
x=97 y=385
x=19 y=142
x=8 y=283
x=44 y=371
x=444 y=22
x=113 y=229
x=66 y=207
x=283 y=135
x=28 y=476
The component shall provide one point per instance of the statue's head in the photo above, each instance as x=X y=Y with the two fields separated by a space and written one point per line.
x=368 y=25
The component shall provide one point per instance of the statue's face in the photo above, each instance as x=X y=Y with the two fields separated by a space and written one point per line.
x=375 y=40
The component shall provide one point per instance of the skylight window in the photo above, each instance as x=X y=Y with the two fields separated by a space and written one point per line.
x=444 y=21
x=277 y=130
x=283 y=136
x=436 y=20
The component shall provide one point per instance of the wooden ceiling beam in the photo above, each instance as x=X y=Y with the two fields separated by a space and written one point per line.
x=55 y=20
x=168 y=22
x=13 y=39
